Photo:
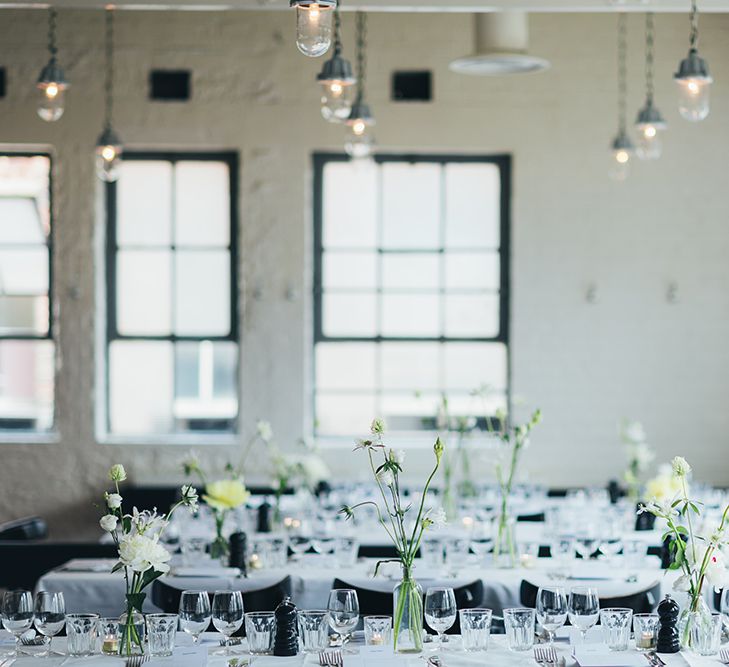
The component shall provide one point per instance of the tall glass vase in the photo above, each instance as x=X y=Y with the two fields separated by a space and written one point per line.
x=694 y=624
x=408 y=614
x=132 y=626
x=505 y=554
x=219 y=549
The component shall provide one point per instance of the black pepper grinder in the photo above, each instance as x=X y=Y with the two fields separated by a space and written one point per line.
x=667 y=630
x=286 y=642
x=238 y=548
x=264 y=517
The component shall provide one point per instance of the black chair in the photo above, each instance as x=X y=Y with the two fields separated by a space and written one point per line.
x=28 y=528
x=538 y=517
x=379 y=603
x=167 y=598
x=642 y=602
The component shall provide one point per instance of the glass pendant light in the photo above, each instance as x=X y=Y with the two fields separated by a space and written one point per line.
x=359 y=140
x=52 y=83
x=693 y=78
x=314 y=25
x=622 y=148
x=650 y=123
x=108 y=145
x=336 y=80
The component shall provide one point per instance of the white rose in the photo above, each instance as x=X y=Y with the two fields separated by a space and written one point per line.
x=142 y=553
x=716 y=572
x=113 y=500
x=682 y=584
x=680 y=466
x=117 y=473
x=108 y=523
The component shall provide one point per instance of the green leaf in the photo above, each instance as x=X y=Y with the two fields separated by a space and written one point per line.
x=136 y=600
x=117 y=567
x=682 y=529
x=696 y=510
x=674 y=566
x=127 y=524
x=149 y=576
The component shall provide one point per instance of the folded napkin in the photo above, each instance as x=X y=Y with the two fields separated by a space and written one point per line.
x=599 y=655
x=205 y=572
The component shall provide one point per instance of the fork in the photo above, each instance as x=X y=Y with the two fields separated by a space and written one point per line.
x=324 y=659
x=545 y=656
x=338 y=659
x=724 y=656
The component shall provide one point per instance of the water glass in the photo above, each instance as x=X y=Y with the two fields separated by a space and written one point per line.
x=313 y=630
x=195 y=613
x=440 y=611
x=110 y=633
x=616 y=627
x=346 y=550
x=583 y=608
x=161 y=632
x=49 y=616
x=343 y=611
x=193 y=551
x=645 y=629
x=431 y=551
x=706 y=634
x=377 y=630
x=227 y=611
x=551 y=609
x=475 y=629
x=519 y=624
x=82 y=631
x=456 y=553
x=260 y=632
x=278 y=552
x=17 y=614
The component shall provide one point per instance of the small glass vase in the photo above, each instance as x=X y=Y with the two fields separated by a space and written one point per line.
x=132 y=628
x=407 y=614
x=505 y=553
x=694 y=624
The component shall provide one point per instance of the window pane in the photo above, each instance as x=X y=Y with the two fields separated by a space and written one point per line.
x=202 y=286
x=472 y=270
x=473 y=205
x=410 y=366
x=349 y=269
x=20 y=221
x=469 y=366
x=26 y=384
x=403 y=271
x=206 y=386
x=23 y=315
x=472 y=316
x=345 y=414
x=345 y=365
x=25 y=215
x=144 y=203
x=411 y=315
x=349 y=205
x=24 y=271
x=143 y=292
x=349 y=314
x=202 y=203
x=408 y=412
x=140 y=386
x=411 y=205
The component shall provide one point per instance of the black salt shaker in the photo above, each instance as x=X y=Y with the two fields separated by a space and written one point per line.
x=264 y=517
x=667 y=630
x=238 y=547
x=286 y=642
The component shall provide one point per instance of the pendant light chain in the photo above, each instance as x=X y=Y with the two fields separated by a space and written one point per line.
x=337 y=30
x=109 y=85
x=622 y=72
x=649 y=56
x=361 y=53
x=694 y=38
x=52 y=20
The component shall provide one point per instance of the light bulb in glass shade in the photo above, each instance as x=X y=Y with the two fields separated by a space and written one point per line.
x=108 y=156
x=649 y=125
x=314 y=26
x=51 y=88
x=337 y=83
x=620 y=157
x=693 y=81
x=360 y=140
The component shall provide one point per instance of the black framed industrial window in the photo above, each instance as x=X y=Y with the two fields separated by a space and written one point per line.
x=172 y=297
x=27 y=350
x=411 y=289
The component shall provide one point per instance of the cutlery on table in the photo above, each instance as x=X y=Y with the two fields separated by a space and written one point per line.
x=724 y=656
x=546 y=656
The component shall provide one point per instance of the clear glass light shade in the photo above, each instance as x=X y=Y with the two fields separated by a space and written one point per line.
x=336 y=100
x=649 y=144
x=360 y=140
x=619 y=167
x=314 y=27
x=51 y=100
x=108 y=161
x=693 y=98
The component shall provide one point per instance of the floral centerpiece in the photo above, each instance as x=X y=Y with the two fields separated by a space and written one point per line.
x=406 y=536
x=639 y=456
x=514 y=439
x=696 y=550
x=141 y=555
x=221 y=496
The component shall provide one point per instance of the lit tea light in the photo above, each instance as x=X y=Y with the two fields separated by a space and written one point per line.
x=646 y=640
x=110 y=645
x=377 y=639
x=467 y=522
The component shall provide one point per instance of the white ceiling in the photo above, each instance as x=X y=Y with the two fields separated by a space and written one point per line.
x=400 y=5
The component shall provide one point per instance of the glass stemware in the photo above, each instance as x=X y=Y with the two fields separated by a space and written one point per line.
x=551 y=609
x=343 y=609
x=586 y=546
x=583 y=608
x=17 y=614
x=440 y=611
x=50 y=617
x=227 y=615
x=195 y=613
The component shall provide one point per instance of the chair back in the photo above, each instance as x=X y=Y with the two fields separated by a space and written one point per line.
x=27 y=528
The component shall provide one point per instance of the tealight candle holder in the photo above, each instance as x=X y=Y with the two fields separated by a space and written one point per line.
x=645 y=628
x=377 y=630
x=110 y=635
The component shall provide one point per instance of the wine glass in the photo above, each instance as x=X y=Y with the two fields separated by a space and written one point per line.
x=583 y=608
x=585 y=546
x=227 y=614
x=440 y=611
x=17 y=614
x=343 y=609
x=195 y=613
x=50 y=617
x=551 y=609
x=724 y=607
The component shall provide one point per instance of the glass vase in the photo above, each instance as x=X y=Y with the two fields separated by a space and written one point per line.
x=132 y=632
x=505 y=554
x=407 y=614
x=694 y=624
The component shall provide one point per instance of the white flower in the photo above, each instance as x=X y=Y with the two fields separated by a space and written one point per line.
x=640 y=453
x=117 y=473
x=398 y=456
x=680 y=466
x=113 y=500
x=148 y=522
x=141 y=553
x=716 y=572
x=385 y=477
x=378 y=426
x=682 y=584
x=633 y=432
x=108 y=523
x=189 y=497
x=435 y=518
x=264 y=430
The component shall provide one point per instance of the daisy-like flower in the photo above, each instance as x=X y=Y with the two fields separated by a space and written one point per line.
x=347 y=511
x=435 y=518
x=117 y=473
x=680 y=466
x=367 y=443
x=189 y=497
x=385 y=477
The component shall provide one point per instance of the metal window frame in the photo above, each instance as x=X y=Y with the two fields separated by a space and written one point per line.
x=232 y=160
x=50 y=243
